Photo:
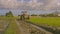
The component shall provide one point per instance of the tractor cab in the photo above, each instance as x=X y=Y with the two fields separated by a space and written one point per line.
x=24 y=16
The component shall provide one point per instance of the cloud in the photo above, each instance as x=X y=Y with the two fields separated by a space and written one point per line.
x=30 y=5
x=34 y=3
x=9 y=3
x=49 y=4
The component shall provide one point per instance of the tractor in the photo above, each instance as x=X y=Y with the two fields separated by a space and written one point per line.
x=24 y=16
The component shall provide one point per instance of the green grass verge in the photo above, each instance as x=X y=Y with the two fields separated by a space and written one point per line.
x=52 y=21
x=13 y=28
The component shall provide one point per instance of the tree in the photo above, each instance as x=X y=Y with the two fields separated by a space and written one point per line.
x=9 y=14
x=33 y=15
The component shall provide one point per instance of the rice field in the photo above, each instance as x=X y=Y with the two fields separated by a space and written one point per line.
x=51 y=21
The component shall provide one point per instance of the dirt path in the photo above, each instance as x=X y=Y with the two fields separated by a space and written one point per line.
x=43 y=30
x=39 y=28
x=22 y=30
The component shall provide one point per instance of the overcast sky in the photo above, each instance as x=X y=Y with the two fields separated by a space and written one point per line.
x=30 y=4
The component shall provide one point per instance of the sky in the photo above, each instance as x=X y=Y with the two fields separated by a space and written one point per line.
x=33 y=6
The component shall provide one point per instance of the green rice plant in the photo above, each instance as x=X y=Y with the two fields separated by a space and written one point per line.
x=51 y=21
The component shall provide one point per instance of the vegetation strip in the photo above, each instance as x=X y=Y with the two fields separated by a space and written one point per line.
x=13 y=28
x=4 y=27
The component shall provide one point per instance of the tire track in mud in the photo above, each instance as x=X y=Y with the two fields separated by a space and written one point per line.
x=22 y=30
x=27 y=28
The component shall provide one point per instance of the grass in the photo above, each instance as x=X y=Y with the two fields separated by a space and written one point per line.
x=3 y=21
x=52 y=21
x=13 y=28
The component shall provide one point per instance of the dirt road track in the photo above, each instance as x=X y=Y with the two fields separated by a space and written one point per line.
x=26 y=31
x=22 y=30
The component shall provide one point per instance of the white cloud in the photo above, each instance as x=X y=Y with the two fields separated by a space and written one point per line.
x=58 y=4
x=50 y=4
x=32 y=4
x=9 y=3
x=22 y=2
